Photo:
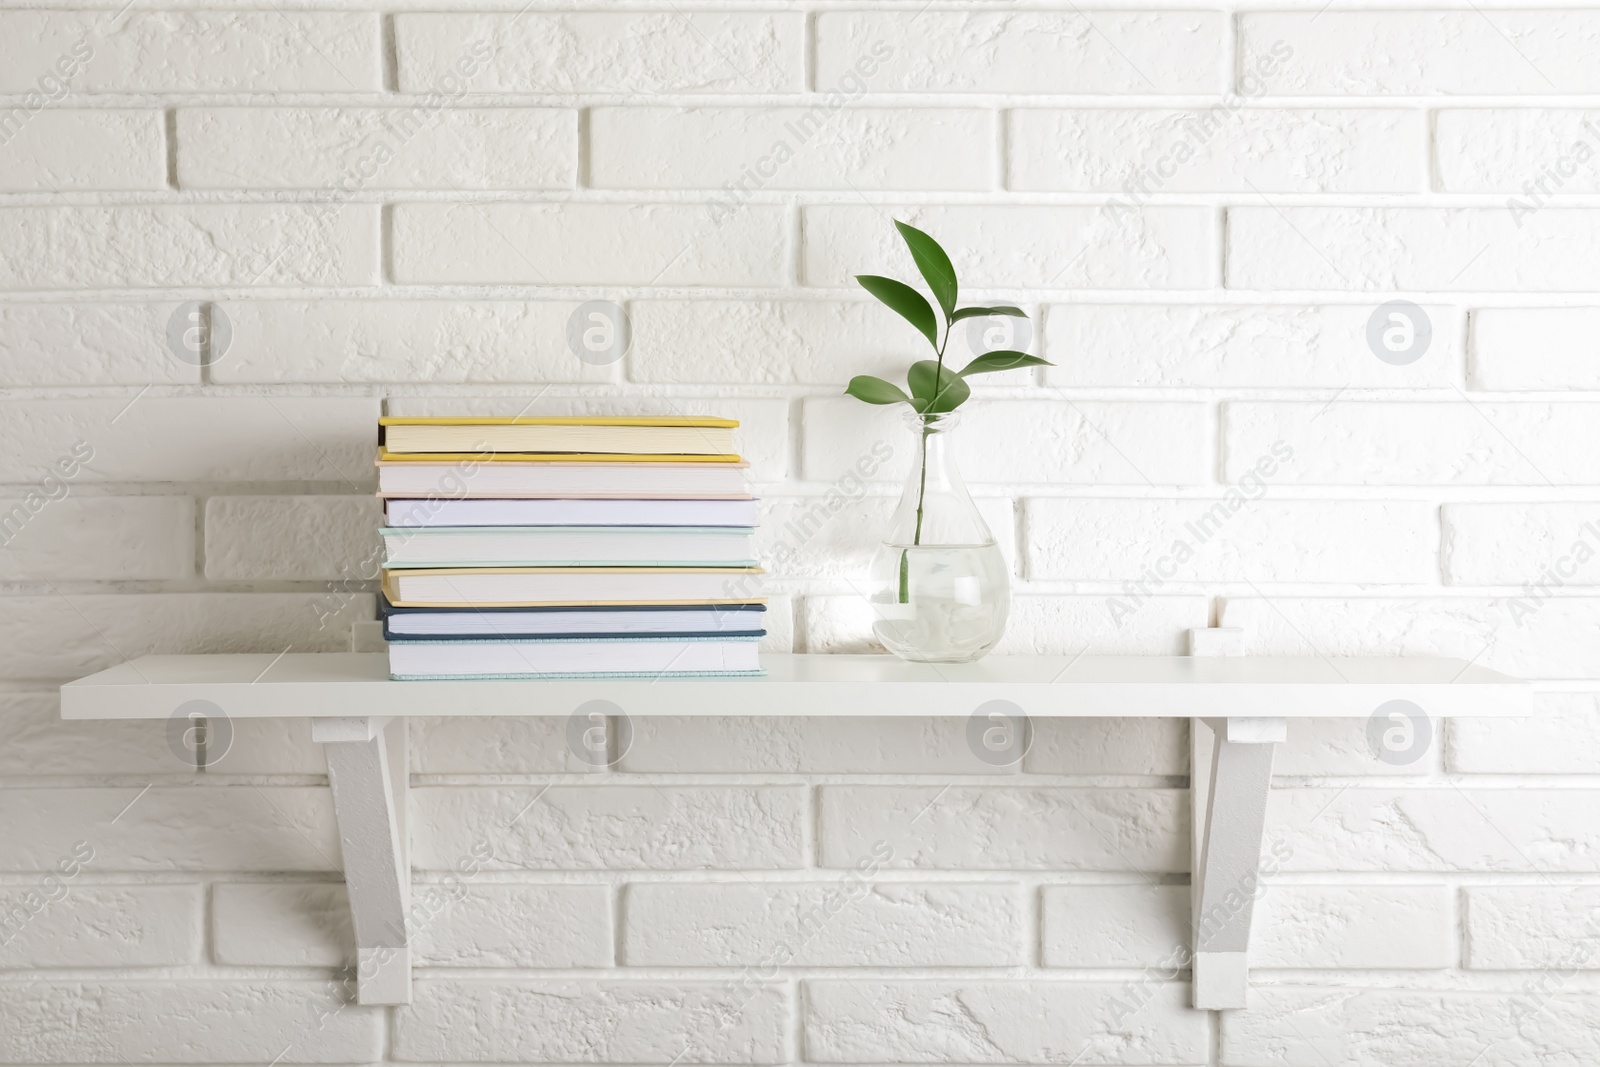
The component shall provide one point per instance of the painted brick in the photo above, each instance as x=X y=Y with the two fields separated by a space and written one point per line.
x=211 y=1021
x=836 y=535
x=193 y=51
x=611 y=827
x=1532 y=348
x=158 y=246
x=293 y=537
x=308 y=925
x=1434 y=53
x=1402 y=927
x=1439 y=249
x=103 y=538
x=469 y=745
x=856 y=923
x=1115 y=925
x=1295 y=926
x=1550 y=545
x=268 y=746
x=1038 y=625
x=281 y=925
x=1532 y=927
x=1109 y=746
x=516 y=926
x=1251 y=346
x=171 y=828
x=576 y=1021
x=431 y=341
x=344 y=151
x=1237 y=538
x=762 y=436
x=1321 y=747
x=1533 y=154
x=1000 y=1022
x=1405 y=443
x=178 y=439
x=65 y=636
x=1435 y=829
x=1000 y=827
x=1316 y=1027
x=1010 y=247
x=1082 y=442
x=35 y=741
x=593 y=244
x=90 y=344
x=736 y=150
x=636 y=52
x=1564 y=738
x=54 y=151
x=789 y=342
x=75 y=925
x=1221 y=148
x=783 y=745
x=1515 y=635
x=1047 y=52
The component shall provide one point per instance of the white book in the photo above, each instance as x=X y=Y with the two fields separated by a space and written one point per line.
x=745 y=619
x=468 y=479
x=570 y=512
x=581 y=586
x=522 y=659
x=567 y=546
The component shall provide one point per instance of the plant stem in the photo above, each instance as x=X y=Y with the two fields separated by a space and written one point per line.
x=922 y=479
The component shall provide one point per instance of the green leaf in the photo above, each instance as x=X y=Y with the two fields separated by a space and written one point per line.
x=907 y=301
x=875 y=390
x=1003 y=309
x=935 y=388
x=935 y=266
x=990 y=362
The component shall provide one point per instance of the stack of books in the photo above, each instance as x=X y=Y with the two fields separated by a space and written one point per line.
x=567 y=547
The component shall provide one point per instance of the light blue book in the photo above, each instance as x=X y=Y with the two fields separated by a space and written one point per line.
x=647 y=657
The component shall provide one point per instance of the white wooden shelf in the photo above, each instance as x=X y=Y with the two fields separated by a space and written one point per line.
x=312 y=685
x=1245 y=702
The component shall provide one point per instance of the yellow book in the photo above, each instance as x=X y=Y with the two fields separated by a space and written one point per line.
x=566 y=434
x=386 y=456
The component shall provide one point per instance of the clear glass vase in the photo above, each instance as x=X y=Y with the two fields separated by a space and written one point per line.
x=939 y=588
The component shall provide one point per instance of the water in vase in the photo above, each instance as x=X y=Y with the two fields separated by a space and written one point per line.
x=939 y=603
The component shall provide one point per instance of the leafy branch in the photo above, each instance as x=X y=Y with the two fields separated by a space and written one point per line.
x=931 y=387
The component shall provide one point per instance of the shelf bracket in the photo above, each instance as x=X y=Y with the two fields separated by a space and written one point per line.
x=1226 y=879
x=367 y=772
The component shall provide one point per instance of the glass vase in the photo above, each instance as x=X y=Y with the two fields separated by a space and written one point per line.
x=939 y=588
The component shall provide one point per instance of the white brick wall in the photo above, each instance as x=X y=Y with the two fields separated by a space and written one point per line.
x=172 y=246
x=108 y=150
x=314 y=148
x=588 y=1021
x=1301 y=927
x=1277 y=151
x=999 y=1022
x=892 y=925
x=1202 y=209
